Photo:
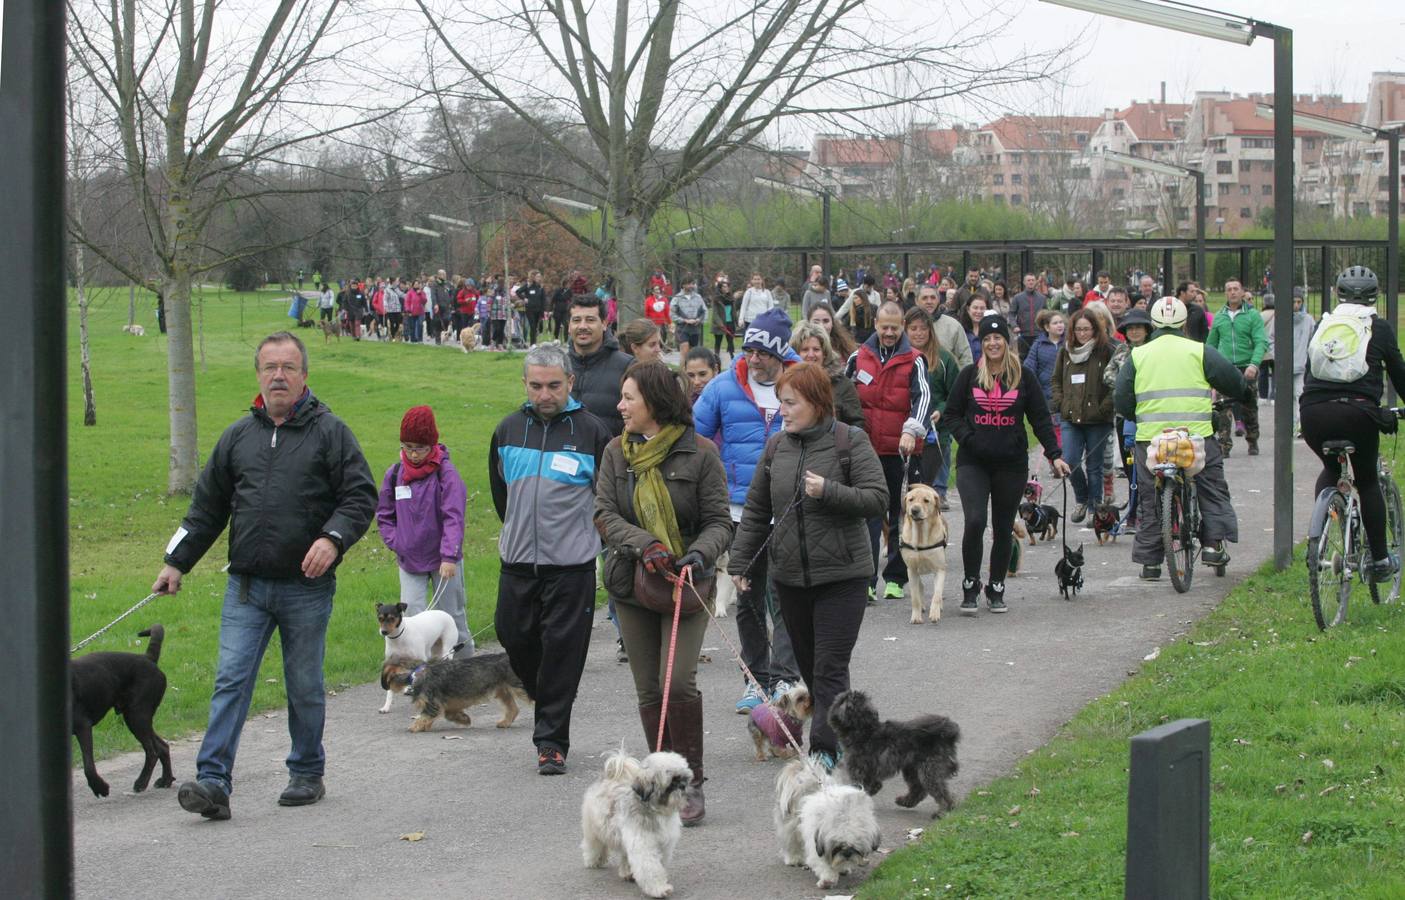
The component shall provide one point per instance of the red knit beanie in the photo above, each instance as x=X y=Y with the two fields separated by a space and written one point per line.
x=418 y=427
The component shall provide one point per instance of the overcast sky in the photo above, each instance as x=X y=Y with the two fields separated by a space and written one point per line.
x=1337 y=45
x=1109 y=62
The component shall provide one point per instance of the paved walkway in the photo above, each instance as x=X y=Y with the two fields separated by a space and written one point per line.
x=493 y=828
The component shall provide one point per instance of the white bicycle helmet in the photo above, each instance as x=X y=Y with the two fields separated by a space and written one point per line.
x=1168 y=312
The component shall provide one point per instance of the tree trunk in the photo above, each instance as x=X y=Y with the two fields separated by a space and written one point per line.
x=132 y=303
x=631 y=270
x=180 y=381
x=90 y=409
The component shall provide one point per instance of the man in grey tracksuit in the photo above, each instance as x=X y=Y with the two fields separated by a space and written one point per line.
x=542 y=462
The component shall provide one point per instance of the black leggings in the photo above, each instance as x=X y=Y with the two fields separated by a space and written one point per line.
x=999 y=488
x=393 y=322
x=823 y=622
x=1333 y=421
x=717 y=344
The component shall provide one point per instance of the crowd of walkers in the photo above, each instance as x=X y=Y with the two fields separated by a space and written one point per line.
x=774 y=474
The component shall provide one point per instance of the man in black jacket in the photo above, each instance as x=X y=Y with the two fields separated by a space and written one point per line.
x=535 y=297
x=296 y=491
x=597 y=362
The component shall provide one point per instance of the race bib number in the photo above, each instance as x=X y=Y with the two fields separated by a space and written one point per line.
x=864 y=378
x=565 y=464
x=1078 y=378
x=402 y=492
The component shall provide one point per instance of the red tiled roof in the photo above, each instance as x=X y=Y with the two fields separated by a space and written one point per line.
x=861 y=151
x=1239 y=116
x=1042 y=132
x=1152 y=121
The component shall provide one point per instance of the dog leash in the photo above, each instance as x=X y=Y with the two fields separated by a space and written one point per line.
x=104 y=629
x=760 y=689
x=685 y=577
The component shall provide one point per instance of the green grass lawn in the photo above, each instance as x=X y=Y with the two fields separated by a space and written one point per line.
x=1307 y=780
x=121 y=519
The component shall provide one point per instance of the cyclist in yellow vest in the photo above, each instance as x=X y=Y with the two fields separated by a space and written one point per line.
x=1166 y=383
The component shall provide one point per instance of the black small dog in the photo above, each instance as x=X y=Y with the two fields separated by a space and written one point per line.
x=922 y=749
x=1105 y=519
x=131 y=684
x=1041 y=519
x=1069 y=571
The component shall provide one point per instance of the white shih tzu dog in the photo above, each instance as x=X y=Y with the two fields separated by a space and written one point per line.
x=630 y=815
x=828 y=826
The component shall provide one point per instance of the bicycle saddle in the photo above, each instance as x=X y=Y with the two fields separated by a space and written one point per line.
x=1338 y=447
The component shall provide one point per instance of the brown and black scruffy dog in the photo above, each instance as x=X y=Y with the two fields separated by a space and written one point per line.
x=448 y=687
x=923 y=750
x=1040 y=520
x=133 y=686
x=1104 y=522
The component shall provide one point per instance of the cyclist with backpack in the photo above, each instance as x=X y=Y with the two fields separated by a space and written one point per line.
x=1348 y=357
x=1167 y=383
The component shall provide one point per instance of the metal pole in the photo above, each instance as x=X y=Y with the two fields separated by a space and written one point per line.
x=965 y=267
x=1201 y=273
x=824 y=197
x=1244 y=264
x=907 y=265
x=1326 y=280
x=1168 y=267
x=37 y=829
x=1097 y=266
x=1283 y=529
x=1392 y=250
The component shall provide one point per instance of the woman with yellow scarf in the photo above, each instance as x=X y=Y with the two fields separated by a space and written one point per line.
x=661 y=504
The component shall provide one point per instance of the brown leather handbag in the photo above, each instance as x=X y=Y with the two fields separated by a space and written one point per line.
x=655 y=592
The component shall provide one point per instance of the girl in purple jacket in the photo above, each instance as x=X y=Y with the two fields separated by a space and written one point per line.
x=420 y=516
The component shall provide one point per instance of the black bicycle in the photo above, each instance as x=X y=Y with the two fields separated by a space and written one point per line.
x=1337 y=549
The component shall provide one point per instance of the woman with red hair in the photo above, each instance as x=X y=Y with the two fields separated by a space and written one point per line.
x=821 y=481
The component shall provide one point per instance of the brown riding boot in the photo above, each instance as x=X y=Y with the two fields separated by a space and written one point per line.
x=649 y=718
x=685 y=729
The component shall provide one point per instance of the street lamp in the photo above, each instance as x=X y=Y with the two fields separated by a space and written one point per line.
x=1240 y=30
x=1175 y=171
x=584 y=207
x=822 y=193
x=1354 y=132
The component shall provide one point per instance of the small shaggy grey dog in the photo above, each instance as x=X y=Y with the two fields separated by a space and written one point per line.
x=448 y=687
x=922 y=749
x=630 y=815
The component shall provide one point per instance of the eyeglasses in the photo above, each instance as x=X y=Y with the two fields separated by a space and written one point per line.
x=276 y=368
x=415 y=448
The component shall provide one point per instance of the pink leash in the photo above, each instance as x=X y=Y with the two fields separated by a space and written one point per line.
x=678 y=582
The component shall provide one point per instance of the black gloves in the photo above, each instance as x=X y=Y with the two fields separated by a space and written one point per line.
x=691 y=558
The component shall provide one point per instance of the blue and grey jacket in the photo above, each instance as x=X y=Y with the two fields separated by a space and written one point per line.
x=542 y=474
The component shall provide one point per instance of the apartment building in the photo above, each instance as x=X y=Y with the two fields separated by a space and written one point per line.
x=1055 y=163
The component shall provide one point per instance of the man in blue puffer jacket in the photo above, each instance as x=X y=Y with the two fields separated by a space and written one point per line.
x=739 y=409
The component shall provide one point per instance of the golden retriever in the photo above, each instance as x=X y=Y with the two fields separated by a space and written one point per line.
x=923 y=545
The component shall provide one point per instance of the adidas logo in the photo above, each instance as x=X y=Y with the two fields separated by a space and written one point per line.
x=995 y=420
x=996 y=399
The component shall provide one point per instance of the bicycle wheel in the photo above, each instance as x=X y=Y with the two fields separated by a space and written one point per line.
x=1177 y=536
x=1328 y=568
x=1394 y=538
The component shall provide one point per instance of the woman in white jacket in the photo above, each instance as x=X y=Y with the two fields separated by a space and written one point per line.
x=755 y=301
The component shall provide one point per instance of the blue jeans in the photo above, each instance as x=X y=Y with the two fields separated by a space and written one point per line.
x=414 y=329
x=1086 y=444
x=253 y=607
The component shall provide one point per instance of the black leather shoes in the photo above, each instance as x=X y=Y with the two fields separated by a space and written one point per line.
x=302 y=790
x=204 y=798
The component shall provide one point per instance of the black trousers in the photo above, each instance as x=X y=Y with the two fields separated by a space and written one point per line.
x=999 y=490
x=893 y=569
x=1333 y=421
x=559 y=325
x=824 y=621
x=766 y=650
x=543 y=622
x=717 y=344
